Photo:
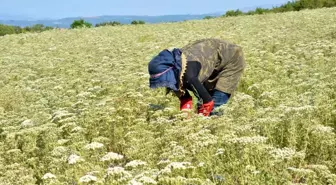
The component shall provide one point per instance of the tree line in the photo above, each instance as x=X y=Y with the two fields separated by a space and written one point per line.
x=82 y=23
x=295 y=5
x=289 y=6
x=9 y=29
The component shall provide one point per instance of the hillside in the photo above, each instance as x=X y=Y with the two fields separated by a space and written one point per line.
x=75 y=106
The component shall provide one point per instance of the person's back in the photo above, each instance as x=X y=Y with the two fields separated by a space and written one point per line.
x=218 y=58
x=205 y=52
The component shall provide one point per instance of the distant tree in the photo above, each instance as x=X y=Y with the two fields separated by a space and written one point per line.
x=238 y=12
x=37 y=28
x=27 y=29
x=138 y=22
x=18 y=29
x=261 y=10
x=114 y=23
x=48 y=28
x=294 y=5
x=304 y=4
x=34 y=28
x=329 y=3
x=80 y=24
x=208 y=17
x=308 y=4
x=251 y=12
x=284 y=8
x=232 y=13
x=6 y=30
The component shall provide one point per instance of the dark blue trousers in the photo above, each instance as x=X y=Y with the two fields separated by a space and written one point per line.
x=220 y=98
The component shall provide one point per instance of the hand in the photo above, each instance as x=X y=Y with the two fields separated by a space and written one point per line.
x=206 y=108
x=186 y=104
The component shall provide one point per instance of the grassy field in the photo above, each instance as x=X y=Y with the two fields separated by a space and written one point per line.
x=75 y=106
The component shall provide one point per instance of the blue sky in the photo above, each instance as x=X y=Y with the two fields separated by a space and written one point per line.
x=73 y=8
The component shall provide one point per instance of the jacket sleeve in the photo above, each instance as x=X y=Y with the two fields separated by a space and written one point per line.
x=199 y=90
x=193 y=83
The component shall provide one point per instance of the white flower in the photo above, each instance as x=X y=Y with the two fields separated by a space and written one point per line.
x=220 y=151
x=88 y=178
x=248 y=140
x=134 y=182
x=62 y=141
x=13 y=151
x=92 y=172
x=168 y=109
x=58 y=87
x=27 y=123
x=318 y=167
x=163 y=162
x=147 y=180
x=176 y=150
x=165 y=171
x=285 y=153
x=73 y=159
x=252 y=169
x=60 y=115
x=201 y=164
x=48 y=176
x=68 y=125
x=323 y=129
x=84 y=94
x=101 y=104
x=256 y=172
x=93 y=146
x=95 y=89
x=300 y=170
x=202 y=138
x=179 y=165
x=298 y=109
x=176 y=165
x=77 y=129
x=118 y=171
x=135 y=163
x=162 y=120
x=59 y=151
x=111 y=156
x=119 y=117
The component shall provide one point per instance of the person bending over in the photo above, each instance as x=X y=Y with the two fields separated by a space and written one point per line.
x=209 y=68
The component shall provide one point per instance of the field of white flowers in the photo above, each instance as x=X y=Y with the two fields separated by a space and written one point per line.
x=75 y=106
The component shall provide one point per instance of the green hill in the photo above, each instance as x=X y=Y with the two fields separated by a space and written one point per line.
x=75 y=106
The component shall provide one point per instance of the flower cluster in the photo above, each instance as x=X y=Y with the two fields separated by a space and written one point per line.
x=111 y=156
